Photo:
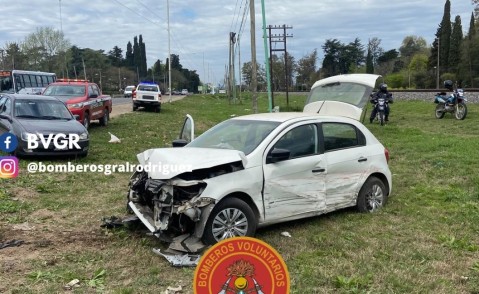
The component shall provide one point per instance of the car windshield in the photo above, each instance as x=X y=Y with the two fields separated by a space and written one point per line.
x=130 y=88
x=41 y=109
x=241 y=135
x=352 y=93
x=65 y=90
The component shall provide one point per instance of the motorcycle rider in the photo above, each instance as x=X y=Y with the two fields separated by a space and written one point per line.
x=383 y=92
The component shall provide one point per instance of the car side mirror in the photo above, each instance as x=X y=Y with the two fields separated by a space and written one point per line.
x=277 y=155
x=7 y=117
x=93 y=96
x=179 y=143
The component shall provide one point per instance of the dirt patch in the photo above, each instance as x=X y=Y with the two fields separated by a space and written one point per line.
x=120 y=109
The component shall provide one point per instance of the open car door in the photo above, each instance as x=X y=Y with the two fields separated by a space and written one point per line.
x=342 y=95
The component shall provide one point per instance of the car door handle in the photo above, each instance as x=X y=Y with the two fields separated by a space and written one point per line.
x=319 y=170
x=362 y=159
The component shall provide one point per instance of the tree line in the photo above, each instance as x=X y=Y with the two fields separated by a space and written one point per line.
x=415 y=65
x=48 y=50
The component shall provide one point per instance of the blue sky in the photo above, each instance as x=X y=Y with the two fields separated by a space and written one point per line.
x=200 y=29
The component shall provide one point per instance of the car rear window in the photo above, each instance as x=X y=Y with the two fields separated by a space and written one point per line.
x=149 y=88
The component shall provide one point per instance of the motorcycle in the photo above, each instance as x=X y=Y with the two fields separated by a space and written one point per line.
x=455 y=104
x=380 y=104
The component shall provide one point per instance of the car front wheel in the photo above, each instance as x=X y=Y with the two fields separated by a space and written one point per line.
x=230 y=218
x=86 y=120
x=372 y=195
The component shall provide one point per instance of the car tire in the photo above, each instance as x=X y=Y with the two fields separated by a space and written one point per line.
x=372 y=195
x=106 y=117
x=86 y=120
x=157 y=109
x=135 y=108
x=220 y=222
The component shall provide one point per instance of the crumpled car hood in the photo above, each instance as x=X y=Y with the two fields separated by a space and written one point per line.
x=171 y=162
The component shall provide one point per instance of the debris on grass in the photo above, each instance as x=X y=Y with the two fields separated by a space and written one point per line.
x=286 y=234
x=179 y=260
x=23 y=227
x=172 y=290
x=72 y=284
x=11 y=243
x=114 y=139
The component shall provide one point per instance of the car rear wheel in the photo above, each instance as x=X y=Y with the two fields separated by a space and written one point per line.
x=232 y=217
x=135 y=108
x=106 y=117
x=372 y=195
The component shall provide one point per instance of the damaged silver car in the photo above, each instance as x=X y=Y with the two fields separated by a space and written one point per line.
x=257 y=170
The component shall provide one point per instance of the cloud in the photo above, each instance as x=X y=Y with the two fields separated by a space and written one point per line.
x=200 y=29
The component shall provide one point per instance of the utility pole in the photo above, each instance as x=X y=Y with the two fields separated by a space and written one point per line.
x=254 y=75
x=231 y=68
x=239 y=69
x=281 y=38
x=265 y=45
x=169 y=50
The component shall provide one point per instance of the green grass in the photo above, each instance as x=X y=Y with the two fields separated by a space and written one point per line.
x=425 y=241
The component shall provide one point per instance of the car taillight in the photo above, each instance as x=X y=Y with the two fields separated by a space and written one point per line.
x=133 y=94
x=386 y=153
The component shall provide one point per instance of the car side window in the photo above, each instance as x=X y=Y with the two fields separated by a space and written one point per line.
x=340 y=135
x=95 y=90
x=300 y=141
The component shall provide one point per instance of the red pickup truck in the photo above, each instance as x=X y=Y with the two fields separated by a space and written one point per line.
x=83 y=99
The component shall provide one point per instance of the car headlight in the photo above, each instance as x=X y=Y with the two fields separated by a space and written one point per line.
x=76 y=105
x=26 y=136
x=84 y=136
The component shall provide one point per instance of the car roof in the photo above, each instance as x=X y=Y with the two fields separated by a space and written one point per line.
x=291 y=116
x=30 y=97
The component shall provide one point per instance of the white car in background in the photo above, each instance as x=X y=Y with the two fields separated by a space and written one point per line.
x=128 y=91
x=147 y=95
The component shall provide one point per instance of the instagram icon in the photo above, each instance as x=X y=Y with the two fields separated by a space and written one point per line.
x=8 y=167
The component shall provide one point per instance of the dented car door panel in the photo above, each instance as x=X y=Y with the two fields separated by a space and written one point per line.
x=294 y=187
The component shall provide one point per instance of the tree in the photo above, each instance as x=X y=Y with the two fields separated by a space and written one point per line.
x=247 y=74
x=130 y=59
x=445 y=37
x=306 y=70
x=340 y=58
x=116 y=56
x=46 y=49
x=136 y=56
x=472 y=27
x=455 y=47
x=374 y=45
x=142 y=65
x=412 y=45
x=388 y=62
x=332 y=50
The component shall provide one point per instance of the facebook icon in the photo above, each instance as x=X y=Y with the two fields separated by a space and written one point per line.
x=8 y=142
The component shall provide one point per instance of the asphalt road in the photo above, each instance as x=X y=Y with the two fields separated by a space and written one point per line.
x=165 y=98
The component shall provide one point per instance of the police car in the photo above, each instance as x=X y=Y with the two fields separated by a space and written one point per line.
x=147 y=95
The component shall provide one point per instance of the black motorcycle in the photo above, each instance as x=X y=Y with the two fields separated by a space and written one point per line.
x=380 y=106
